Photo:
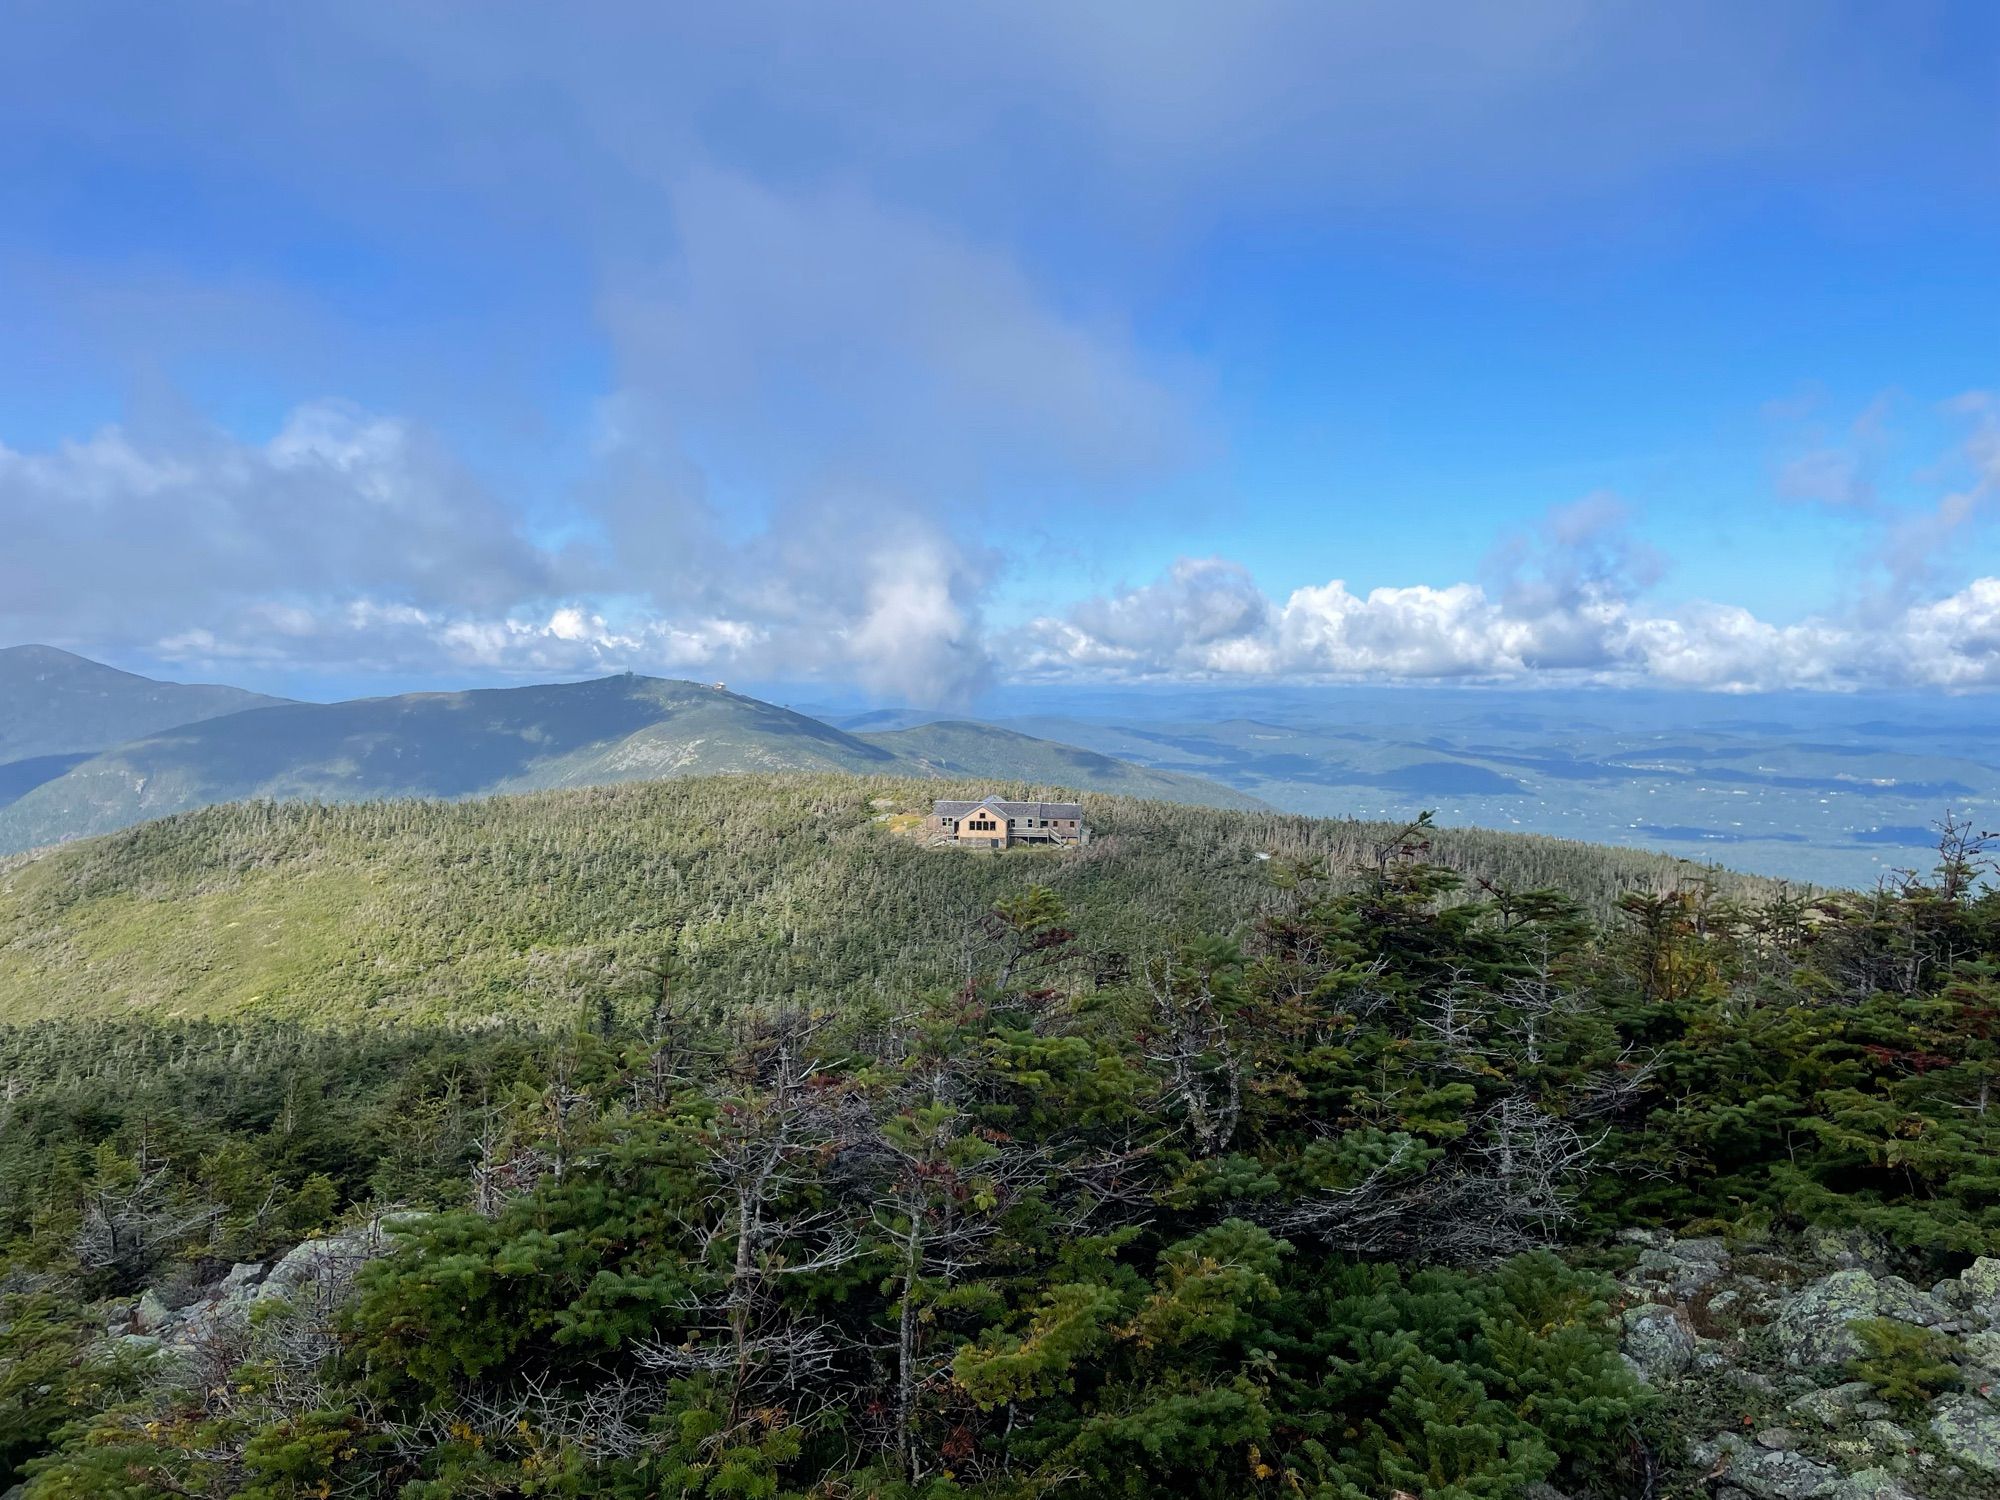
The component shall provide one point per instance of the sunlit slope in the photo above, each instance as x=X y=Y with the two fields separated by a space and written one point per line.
x=756 y=887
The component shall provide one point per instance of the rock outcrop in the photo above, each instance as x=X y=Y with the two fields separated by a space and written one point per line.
x=1757 y=1351
x=205 y=1331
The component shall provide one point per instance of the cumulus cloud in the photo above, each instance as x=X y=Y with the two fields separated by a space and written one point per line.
x=352 y=541
x=1328 y=632
x=1567 y=602
x=119 y=536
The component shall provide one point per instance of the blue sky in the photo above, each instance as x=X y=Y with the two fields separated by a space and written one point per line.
x=916 y=349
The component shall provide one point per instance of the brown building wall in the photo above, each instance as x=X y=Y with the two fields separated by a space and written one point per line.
x=1053 y=828
x=967 y=834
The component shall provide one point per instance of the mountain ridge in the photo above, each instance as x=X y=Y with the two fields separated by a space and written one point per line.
x=54 y=703
x=494 y=741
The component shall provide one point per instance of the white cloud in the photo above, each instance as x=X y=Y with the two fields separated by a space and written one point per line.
x=1327 y=632
x=880 y=344
x=122 y=537
x=352 y=541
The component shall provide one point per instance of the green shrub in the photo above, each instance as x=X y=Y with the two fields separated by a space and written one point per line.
x=1905 y=1364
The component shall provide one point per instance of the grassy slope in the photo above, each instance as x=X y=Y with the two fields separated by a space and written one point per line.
x=764 y=887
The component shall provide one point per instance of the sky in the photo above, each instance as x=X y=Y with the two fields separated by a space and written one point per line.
x=920 y=350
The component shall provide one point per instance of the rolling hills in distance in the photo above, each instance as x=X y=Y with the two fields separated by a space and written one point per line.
x=1827 y=789
x=502 y=740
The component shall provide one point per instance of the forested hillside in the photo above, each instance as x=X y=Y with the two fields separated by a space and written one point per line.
x=1356 y=1186
x=763 y=888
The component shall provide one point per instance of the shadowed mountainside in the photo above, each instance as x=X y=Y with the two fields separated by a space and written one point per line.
x=54 y=703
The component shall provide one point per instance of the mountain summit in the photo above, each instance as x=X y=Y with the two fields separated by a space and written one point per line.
x=53 y=702
x=57 y=709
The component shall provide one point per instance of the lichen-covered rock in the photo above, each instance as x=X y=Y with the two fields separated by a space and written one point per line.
x=1885 y=1434
x=1870 y=1484
x=1980 y=1357
x=1832 y=1405
x=1657 y=1343
x=324 y=1267
x=1815 y=1327
x=1681 y=1267
x=209 y=1325
x=1849 y=1249
x=1638 y=1236
x=1968 y=1429
x=1980 y=1281
x=151 y=1314
x=1706 y=1249
x=1896 y=1298
x=1766 y=1474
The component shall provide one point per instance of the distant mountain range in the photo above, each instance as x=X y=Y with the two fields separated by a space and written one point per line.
x=228 y=745
x=1826 y=789
x=54 y=703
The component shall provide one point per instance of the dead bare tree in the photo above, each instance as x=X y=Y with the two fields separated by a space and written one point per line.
x=776 y=1153
x=1455 y=1023
x=1965 y=857
x=1410 y=842
x=135 y=1212
x=505 y=1168
x=940 y=1204
x=1192 y=1045
x=1509 y=1190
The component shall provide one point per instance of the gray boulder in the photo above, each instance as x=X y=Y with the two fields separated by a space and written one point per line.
x=1889 y=1436
x=1682 y=1266
x=1870 y=1484
x=1898 y=1299
x=1981 y=1280
x=151 y=1315
x=1709 y=1250
x=242 y=1275
x=1766 y=1474
x=1815 y=1327
x=1968 y=1429
x=1981 y=1358
x=1657 y=1343
x=1831 y=1406
x=1848 y=1248
x=322 y=1269
x=1978 y=1293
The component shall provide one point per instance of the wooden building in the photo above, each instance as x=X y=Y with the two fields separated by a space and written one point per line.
x=997 y=823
